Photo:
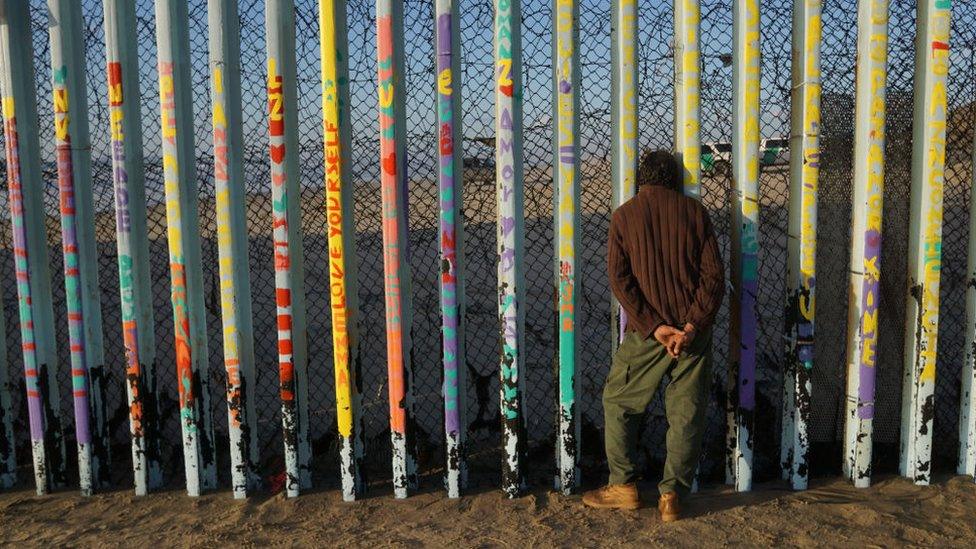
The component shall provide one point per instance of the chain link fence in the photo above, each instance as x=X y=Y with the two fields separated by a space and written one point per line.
x=655 y=119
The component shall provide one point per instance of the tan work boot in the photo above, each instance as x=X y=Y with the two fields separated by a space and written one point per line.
x=613 y=496
x=669 y=507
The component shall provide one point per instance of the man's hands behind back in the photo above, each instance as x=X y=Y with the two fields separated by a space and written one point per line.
x=675 y=340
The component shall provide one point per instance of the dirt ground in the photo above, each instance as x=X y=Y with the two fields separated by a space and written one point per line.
x=891 y=513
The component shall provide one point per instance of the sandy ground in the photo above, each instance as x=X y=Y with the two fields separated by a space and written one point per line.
x=891 y=513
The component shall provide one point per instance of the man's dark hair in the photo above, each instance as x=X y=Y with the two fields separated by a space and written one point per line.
x=659 y=168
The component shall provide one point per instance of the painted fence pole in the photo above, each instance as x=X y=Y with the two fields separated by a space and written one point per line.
x=687 y=92
x=802 y=240
x=451 y=181
x=135 y=282
x=862 y=329
x=31 y=269
x=967 y=392
x=565 y=77
x=623 y=112
x=343 y=262
x=510 y=238
x=235 y=281
x=396 y=250
x=288 y=255
x=925 y=233
x=72 y=148
x=8 y=448
x=745 y=243
x=183 y=229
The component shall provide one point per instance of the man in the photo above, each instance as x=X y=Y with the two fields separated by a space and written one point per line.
x=666 y=272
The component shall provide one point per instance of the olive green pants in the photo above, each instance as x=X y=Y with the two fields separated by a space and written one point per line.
x=635 y=374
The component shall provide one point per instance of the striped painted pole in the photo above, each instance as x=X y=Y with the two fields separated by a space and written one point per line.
x=135 y=282
x=450 y=182
x=176 y=116
x=235 y=281
x=862 y=330
x=745 y=242
x=343 y=280
x=565 y=76
x=396 y=254
x=289 y=258
x=925 y=233
x=687 y=92
x=623 y=112
x=8 y=448
x=73 y=150
x=510 y=238
x=27 y=216
x=802 y=240
x=967 y=393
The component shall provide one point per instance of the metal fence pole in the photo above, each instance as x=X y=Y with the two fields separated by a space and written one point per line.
x=565 y=76
x=189 y=315
x=30 y=246
x=862 y=332
x=745 y=242
x=343 y=261
x=8 y=448
x=235 y=281
x=967 y=392
x=135 y=282
x=396 y=254
x=510 y=234
x=73 y=151
x=623 y=121
x=289 y=258
x=925 y=233
x=687 y=92
x=802 y=240
x=451 y=180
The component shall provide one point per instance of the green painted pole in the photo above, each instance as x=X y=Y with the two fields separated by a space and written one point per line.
x=566 y=79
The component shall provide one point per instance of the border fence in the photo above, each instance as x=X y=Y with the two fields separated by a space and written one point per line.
x=269 y=236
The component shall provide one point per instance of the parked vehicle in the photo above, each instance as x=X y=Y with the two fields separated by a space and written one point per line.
x=716 y=158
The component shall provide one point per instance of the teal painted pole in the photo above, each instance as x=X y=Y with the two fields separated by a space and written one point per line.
x=925 y=238
x=623 y=121
x=135 y=281
x=510 y=238
x=288 y=256
x=396 y=249
x=745 y=243
x=25 y=185
x=233 y=262
x=186 y=274
x=450 y=179
x=73 y=151
x=565 y=76
x=687 y=92
x=343 y=261
x=802 y=240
